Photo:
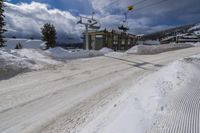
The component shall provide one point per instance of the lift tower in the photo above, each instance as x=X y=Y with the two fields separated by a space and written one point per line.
x=90 y=23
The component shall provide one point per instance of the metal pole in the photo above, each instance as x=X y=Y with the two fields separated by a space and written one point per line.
x=86 y=37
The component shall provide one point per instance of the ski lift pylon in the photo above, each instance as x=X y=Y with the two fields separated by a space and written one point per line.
x=124 y=25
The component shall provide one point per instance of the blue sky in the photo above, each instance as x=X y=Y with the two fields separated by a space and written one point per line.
x=25 y=17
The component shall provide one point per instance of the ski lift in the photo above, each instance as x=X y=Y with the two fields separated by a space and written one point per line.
x=95 y=25
x=124 y=25
x=91 y=22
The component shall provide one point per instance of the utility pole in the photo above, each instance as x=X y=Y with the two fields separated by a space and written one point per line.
x=89 y=23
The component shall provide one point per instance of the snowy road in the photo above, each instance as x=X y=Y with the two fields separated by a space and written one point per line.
x=67 y=98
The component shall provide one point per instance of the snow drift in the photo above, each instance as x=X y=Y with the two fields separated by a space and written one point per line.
x=197 y=44
x=154 y=49
x=60 y=53
x=16 y=61
x=106 y=50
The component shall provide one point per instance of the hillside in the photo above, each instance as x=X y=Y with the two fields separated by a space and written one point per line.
x=179 y=30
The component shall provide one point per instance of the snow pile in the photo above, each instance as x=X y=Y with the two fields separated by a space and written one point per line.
x=26 y=43
x=153 y=49
x=106 y=50
x=197 y=44
x=11 y=65
x=60 y=53
x=151 y=42
x=138 y=109
x=36 y=55
x=13 y=62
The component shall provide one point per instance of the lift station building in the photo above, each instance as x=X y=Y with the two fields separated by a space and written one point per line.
x=114 y=39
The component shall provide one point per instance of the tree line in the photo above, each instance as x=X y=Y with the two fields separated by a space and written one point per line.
x=48 y=30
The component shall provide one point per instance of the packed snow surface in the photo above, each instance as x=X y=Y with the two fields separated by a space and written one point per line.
x=96 y=94
x=148 y=100
x=153 y=49
x=106 y=50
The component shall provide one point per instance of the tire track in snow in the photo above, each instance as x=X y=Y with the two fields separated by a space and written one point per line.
x=26 y=95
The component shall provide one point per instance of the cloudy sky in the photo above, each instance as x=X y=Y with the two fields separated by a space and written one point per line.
x=25 y=17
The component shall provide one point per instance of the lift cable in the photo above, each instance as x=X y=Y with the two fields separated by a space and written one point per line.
x=152 y=4
x=112 y=3
x=125 y=26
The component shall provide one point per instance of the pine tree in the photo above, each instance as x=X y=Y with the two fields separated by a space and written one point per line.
x=18 y=46
x=49 y=35
x=2 y=23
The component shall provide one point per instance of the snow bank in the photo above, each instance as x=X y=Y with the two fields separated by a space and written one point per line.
x=106 y=50
x=60 y=53
x=138 y=109
x=26 y=59
x=11 y=65
x=151 y=42
x=153 y=49
x=13 y=62
x=26 y=43
x=36 y=55
x=197 y=44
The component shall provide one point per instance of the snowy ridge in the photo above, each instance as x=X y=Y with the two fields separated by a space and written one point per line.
x=153 y=49
x=17 y=61
x=26 y=59
x=60 y=53
x=196 y=27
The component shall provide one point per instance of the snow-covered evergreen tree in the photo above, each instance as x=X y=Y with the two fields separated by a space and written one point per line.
x=2 y=23
x=49 y=35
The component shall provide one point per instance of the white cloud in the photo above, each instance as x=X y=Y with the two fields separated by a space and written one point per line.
x=26 y=19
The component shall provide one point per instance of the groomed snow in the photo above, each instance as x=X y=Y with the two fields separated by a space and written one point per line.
x=138 y=109
x=104 y=94
x=153 y=49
